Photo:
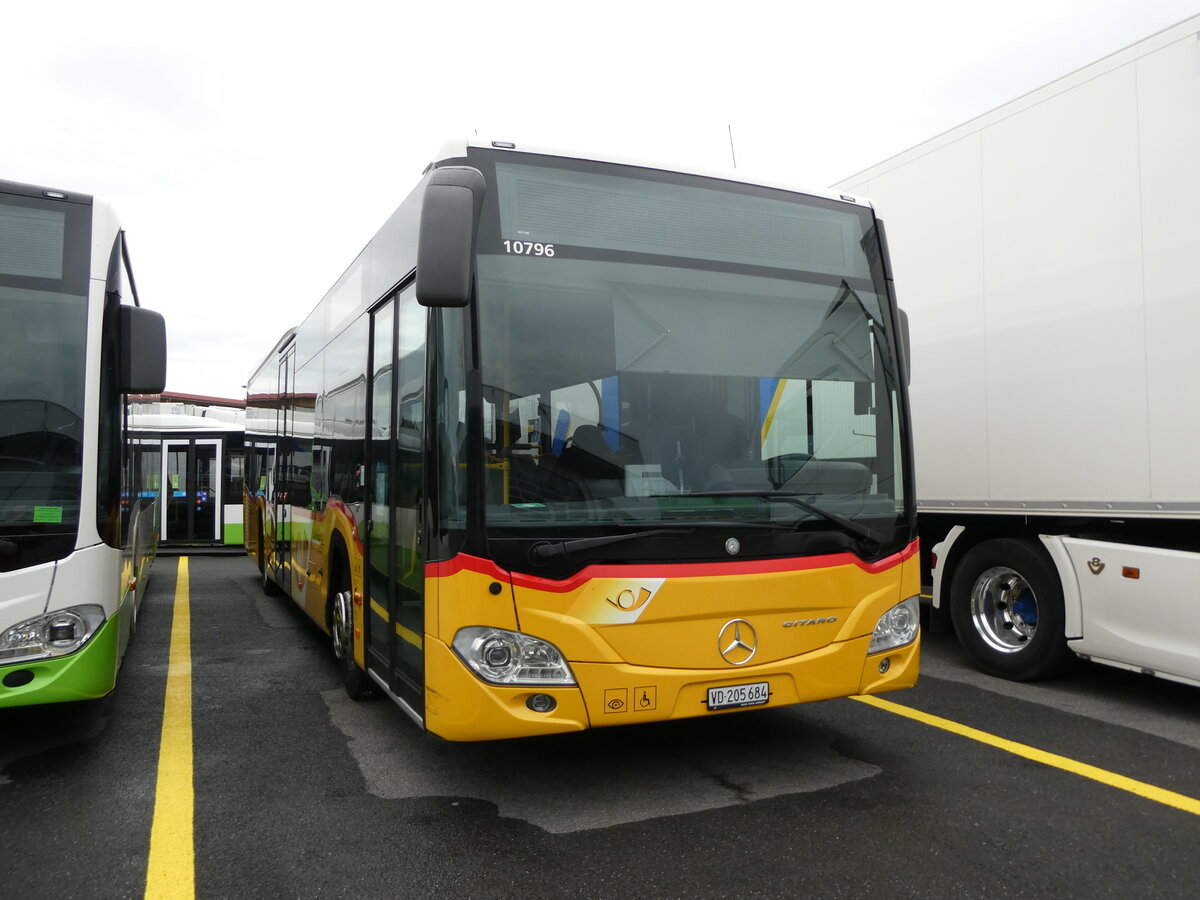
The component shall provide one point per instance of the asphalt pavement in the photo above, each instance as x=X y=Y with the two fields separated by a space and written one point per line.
x=301 y=792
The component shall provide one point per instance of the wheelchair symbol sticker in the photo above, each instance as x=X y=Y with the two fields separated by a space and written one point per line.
x=645 y=698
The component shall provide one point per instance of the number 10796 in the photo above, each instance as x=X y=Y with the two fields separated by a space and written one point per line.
x=528 y=248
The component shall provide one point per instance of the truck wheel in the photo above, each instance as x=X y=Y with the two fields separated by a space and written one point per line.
x=1006 y=603
x=341 y=631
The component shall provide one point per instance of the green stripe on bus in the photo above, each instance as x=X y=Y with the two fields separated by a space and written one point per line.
x=86 y=674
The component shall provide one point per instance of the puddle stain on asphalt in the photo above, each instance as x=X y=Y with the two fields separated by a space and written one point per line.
x=603 y=777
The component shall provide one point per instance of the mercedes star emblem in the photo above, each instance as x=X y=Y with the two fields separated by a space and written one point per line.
x=737 y=642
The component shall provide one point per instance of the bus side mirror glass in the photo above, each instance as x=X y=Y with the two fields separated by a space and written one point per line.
x=446 y=244
x=143 y=351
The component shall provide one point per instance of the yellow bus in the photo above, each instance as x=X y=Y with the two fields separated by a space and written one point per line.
x=578 y=442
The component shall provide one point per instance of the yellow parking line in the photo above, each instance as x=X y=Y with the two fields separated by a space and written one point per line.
x=171 y=869
x=1149 y=791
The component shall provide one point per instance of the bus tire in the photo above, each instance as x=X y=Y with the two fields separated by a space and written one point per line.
x=269 y=587
x=262 y=562
x=341 y=632
x=1006 y=603
x=135 y=592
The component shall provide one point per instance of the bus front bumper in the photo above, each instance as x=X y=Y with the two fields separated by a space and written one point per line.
x=461 y=707
x=88 y=673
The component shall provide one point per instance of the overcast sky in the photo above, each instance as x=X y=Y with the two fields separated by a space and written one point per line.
x=251 y=149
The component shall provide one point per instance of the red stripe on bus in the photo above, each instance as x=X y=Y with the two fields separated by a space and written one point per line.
x=463 y=562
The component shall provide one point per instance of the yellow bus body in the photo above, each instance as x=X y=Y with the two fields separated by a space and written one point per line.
x=656 y=660
x=641 y=640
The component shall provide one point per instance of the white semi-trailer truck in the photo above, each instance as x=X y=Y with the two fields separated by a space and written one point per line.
x=1049 y=258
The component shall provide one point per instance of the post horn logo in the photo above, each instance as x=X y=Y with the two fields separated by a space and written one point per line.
x=737 y=642
x=628 y=601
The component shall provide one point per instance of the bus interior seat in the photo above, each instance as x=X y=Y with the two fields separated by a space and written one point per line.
x=587 y=453
x=588 y=460
x=712 y=439
x=561 y=425
x=533 y=482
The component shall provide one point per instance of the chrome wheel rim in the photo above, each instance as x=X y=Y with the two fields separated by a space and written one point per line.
x=342 y=619
x=1004 y=609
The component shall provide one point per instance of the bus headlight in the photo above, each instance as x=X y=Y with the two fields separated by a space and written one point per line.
x=896 y=627
x=510 y=657
x=52 y=634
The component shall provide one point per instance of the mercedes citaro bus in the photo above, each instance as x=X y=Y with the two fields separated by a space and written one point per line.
x=577 y=442
x=77 y=534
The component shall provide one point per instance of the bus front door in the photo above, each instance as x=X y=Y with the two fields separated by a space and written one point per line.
x=395 y=616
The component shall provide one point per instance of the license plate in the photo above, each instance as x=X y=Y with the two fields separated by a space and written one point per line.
x=732 y=696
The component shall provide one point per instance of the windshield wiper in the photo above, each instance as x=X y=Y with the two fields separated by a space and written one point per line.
x=551 y=549
x=871 y=540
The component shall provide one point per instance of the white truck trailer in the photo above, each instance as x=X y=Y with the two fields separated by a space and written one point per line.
x=1048 y=255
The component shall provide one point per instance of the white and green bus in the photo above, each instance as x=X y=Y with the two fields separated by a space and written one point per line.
x=76 y=538
x=194 y=460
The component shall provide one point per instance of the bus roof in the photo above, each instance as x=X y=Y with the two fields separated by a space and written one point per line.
x=45 y=193
x=455 y=149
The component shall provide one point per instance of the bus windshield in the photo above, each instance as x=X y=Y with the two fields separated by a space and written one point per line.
x=659 y=348
x=43 y=305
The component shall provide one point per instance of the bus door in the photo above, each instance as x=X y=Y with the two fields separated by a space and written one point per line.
x=280 y=560
x=395 y=618
x=191 y=490
x=144 y=498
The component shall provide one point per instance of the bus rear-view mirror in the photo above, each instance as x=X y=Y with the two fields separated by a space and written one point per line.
x=143 y=351
x=446 y=244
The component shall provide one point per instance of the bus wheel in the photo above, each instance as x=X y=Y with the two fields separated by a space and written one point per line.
x=269 y=587
x=135 y=602
x=1006 y=603
x=341 y=631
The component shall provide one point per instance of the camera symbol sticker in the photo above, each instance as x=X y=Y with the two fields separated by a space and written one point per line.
x=616 y=700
